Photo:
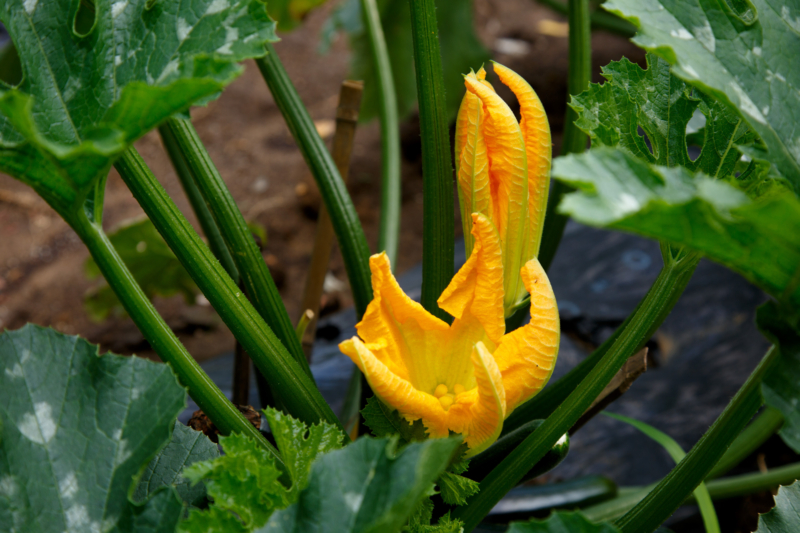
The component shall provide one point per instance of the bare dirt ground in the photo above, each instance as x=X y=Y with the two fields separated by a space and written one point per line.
x=41 y=260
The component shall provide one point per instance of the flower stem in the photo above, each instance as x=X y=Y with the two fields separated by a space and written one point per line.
x=389 y=232
x=668 y=495
x=508 y=473
x=349 y=233
x=574 y=140
x=288 y=380
x=202 y=389
x=437 y=168
x=252 y=269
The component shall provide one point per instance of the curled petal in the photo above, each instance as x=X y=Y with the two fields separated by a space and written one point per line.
x=398 y=330
x=472 y=163
x=538 y=148
x=397 y=392
x=480 y=416
x=477 y=288
x=526 y=357
x=508 y=174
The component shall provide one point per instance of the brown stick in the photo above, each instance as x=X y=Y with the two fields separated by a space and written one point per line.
x=346 y=122
x=619 y=385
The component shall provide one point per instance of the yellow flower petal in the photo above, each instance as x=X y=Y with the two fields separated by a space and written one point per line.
x=508 y=174
x=526 y=357
x=479 y=413
x=397 y=392
x=538 y=148
x=477 y=288
x=472 y=163
x=398 y=330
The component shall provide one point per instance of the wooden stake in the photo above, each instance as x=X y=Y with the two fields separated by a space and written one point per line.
x=346 y=122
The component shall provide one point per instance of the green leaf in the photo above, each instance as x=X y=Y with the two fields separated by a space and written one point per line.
x=85 y=98
x=460 y=46
x=155 y=268
x=247 y=486
x=290 y=13
x=384 y=421
x=166 y=469
x=76 y=429
x=366 y=487
x=562 y=522
x=741 y=57
x=300 y=445
x=759 y=239
x=783 y=518
x=677 y=454
x=781 y=385
x=662 y=105
x=456 y=489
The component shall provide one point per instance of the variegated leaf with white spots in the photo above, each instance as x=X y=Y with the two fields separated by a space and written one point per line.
x=75 y=430
x=91 y=88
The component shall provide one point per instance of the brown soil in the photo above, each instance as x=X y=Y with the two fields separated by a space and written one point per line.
x=41 y=259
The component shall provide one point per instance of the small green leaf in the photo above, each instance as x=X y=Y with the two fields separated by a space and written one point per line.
x=243 y=483
x=246 y=485
x=759 y=239
x=781 y=385
x=300 y=445
x=76 y=429
x=739 y=57
x=84 y=98
x=460 y=46
x=366 y=487
x=562 y=522
x=385 y=422
x=156 y=269
x=456 y=489
x=662 y=106
x=784 y=517
x=166 y=469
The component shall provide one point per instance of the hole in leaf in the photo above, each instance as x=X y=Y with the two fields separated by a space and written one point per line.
x=84 y=19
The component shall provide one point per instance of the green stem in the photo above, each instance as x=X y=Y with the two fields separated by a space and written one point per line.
x=668 y=495
x=349 y=233
x=287 y=378
x=258 y=283
x=753 y=436
x=601 y=20
x=437 y=169
x=543 y=404
x=509 y=472
x=199 y=207
x=201 y=388
x=574 y=140
x=748 y=440
x=389 y=233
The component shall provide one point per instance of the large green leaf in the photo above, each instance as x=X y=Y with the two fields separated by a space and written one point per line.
x=246 y=484
x=562 y=522
x=186 y=447
x=785 y=516
x=743 y=57
x=155 y=267
x=366 y=487
x=75 y=430
x=461 y=50
x=85 y=97
x=759 y=239
x=662 y=105
x=781 y=385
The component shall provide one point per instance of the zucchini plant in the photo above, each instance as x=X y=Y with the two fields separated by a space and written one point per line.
x=456 y=409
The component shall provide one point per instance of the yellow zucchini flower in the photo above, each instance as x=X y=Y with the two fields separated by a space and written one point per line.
x=503 y=170
x=468 y=376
